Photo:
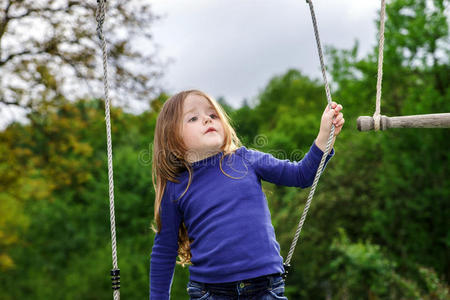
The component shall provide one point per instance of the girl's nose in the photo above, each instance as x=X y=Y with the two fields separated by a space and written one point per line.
x=206 y=119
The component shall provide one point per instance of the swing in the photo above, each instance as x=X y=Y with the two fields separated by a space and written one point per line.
x=115 y=272
x=380 y=122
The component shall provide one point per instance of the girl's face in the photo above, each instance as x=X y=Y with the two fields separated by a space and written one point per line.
x=202 y=130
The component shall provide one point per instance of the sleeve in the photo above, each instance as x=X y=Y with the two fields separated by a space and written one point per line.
x=165 y=248
x=286 y=172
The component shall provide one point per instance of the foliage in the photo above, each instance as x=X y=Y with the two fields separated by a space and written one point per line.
x=50 y=49
x=64 y=249
x=353 y=261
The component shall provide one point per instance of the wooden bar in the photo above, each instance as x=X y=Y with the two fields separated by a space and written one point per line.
x=366 y=123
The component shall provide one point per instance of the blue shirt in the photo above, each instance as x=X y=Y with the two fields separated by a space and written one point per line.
x=227 y=216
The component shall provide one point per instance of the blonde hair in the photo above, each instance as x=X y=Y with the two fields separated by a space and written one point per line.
x=169 y=154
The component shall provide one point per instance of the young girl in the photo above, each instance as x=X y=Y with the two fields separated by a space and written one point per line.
x=210 y=208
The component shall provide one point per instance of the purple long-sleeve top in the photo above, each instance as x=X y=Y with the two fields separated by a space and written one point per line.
x=227 y=216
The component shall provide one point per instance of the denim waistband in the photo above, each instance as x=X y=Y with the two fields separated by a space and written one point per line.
x=247 y=286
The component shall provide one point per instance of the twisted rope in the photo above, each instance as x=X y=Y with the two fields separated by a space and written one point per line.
x=100 y=16
x=327 y=148
x=377 y=115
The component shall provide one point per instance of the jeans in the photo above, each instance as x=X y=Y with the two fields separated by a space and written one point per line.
x=262 y=288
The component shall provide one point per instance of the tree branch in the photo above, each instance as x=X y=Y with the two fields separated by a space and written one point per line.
x=14 y=102
x=11 y=56
x=5 y=21
x=39 y=10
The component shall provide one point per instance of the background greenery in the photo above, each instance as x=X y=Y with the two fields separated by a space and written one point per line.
x=378 y=227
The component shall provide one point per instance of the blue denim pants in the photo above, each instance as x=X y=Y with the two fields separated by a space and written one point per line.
x=262 y=288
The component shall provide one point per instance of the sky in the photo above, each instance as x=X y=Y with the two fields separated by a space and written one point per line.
x=232 y=48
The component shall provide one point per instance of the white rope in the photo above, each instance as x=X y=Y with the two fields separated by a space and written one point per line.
x=100 y=16
x=327 y=148
x=377 y=114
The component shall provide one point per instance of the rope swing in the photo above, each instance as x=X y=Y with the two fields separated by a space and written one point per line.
x=380 y=122
x=115 y=272
x=325 y=154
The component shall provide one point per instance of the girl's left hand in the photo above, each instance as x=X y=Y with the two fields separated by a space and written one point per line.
x=327 y=119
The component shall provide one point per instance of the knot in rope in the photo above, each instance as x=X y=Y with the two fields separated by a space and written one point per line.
x=376 y=121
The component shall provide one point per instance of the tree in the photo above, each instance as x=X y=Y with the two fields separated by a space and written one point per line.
x=54 y=214
x=405 y=171
x=49 y=50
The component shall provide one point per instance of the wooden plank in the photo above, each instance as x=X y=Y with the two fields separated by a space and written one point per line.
x=366 y=123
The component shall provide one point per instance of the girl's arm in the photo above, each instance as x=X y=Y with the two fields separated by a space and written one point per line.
x=283 y=171
x=302 y=173
x=165 y=249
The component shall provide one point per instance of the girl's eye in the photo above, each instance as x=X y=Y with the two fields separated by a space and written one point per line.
x=193 y=119
x=213 y=116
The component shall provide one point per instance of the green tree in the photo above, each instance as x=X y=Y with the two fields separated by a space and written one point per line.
x=59 y=185
x=50 y=49
x=404 y=171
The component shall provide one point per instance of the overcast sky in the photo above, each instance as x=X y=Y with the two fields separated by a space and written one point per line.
x=231 y=48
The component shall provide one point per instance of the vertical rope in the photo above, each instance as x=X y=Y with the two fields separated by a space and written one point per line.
x=115 y=273
x=377 y=114
x=319 y=49
x=327 y=148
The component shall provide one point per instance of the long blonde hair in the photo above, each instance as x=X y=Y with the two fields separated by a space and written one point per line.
x=169 y=156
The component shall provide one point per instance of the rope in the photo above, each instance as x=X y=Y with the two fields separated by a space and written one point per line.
x=377 y=115
x=327 y=148
x=115 y=273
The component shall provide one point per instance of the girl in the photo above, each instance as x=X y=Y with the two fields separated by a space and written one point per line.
x=210 y=209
